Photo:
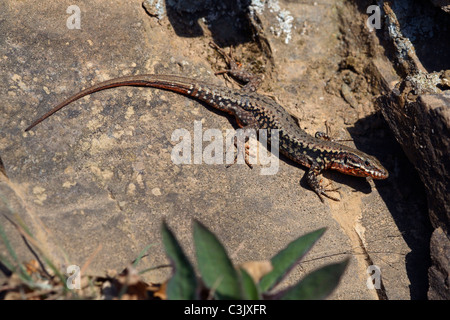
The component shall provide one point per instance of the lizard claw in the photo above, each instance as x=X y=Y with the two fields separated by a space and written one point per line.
x=246 y=156
x=324 y=192
x=316 y=185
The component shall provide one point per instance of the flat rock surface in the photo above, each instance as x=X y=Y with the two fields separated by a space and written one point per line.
x=99 y=174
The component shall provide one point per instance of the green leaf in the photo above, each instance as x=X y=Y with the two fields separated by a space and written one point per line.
x=318 y=284
x=249 y=289
x=216 y=268
x=183 y=283
x=141 y=255
x=21 y=268
x=286 y=259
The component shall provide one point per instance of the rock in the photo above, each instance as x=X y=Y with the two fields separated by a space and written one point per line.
x=421 y=123
x=439 y=272
x=443 y=4
x=417 y=110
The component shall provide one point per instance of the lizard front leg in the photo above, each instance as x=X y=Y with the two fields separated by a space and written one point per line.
x=312 y=177
x=327 y=135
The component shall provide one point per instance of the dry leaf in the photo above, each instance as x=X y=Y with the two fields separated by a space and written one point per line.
x=257 y=269
x=136 y=288
x=32 y=266
x=161 y=292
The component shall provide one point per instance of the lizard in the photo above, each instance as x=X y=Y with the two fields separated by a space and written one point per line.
x=256 y=111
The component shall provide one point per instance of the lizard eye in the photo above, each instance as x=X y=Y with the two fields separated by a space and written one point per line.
x=367 y=163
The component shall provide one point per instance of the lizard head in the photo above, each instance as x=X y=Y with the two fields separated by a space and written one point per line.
x=360 y=164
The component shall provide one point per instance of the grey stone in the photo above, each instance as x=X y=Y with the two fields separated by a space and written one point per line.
x=99 y=174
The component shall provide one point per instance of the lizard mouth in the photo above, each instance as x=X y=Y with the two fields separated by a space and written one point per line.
x=377 y=174
x=374 y=174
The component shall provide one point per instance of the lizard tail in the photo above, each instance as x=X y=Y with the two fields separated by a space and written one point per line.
x=172 y=83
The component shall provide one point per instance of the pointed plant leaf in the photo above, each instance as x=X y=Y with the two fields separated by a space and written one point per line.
x=141 y=255
x=215 y=267
x=286 y=259
x=318 y=284
x=249 y=289
x=183 y=283
x=13 y=254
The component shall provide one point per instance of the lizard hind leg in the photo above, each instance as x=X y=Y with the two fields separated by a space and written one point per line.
x=249 y=129
x=239 y=150
x=237 y=71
